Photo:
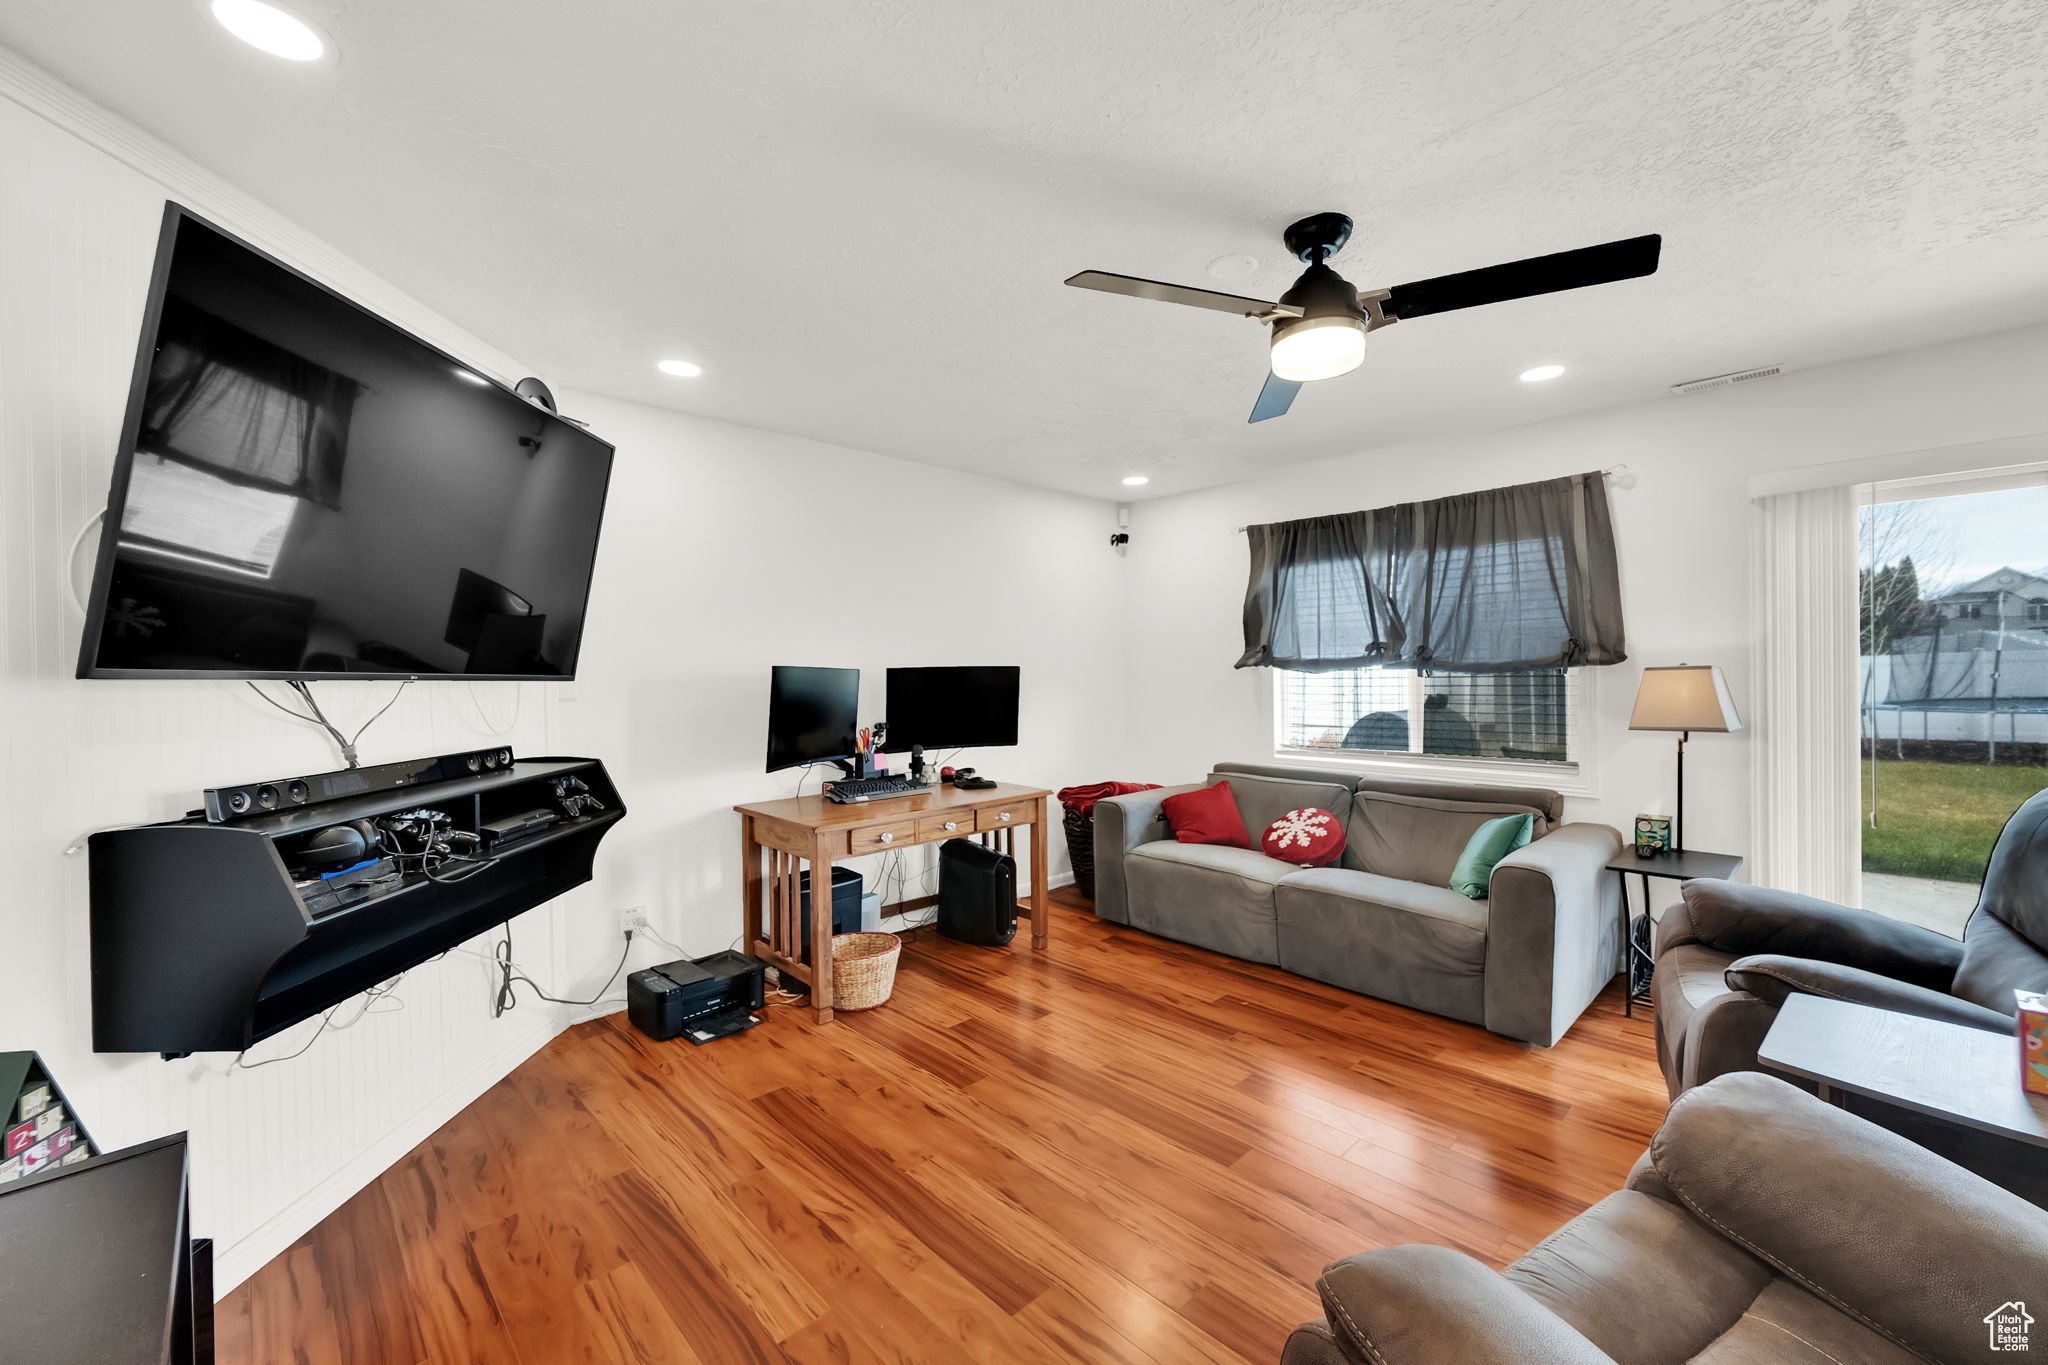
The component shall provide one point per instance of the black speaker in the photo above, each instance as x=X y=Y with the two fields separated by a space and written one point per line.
x=977 y=893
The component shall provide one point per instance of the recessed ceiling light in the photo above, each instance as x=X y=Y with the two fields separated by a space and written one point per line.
x=1540 y=373
x=1233 y=267
x=270 y=29
x=1134 y=480
x=681 y=369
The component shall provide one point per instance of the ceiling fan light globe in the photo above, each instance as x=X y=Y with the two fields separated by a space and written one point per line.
x=1318 y=348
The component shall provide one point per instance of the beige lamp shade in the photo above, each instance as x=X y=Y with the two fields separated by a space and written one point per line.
x=1684 y=697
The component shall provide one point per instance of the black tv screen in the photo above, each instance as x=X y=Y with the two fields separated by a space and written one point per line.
x=305 y=491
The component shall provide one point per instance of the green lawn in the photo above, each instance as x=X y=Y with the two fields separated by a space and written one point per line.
x=1939 y=820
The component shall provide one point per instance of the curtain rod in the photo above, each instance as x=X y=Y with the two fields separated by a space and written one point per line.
x=1604 y=473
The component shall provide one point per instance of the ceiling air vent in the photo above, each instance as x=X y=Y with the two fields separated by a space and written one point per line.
x=1722 y=381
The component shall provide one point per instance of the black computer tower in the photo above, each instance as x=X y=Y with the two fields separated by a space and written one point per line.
x=847 y=888
x=977 y=893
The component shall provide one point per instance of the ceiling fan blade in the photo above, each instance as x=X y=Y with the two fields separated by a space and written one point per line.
x=1169 y=293
x=1603 y=264
x=1274 y=399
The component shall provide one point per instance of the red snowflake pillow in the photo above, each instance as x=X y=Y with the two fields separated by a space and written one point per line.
x=1309 y=837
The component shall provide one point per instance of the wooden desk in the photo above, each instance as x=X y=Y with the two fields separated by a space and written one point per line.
x=813 y=830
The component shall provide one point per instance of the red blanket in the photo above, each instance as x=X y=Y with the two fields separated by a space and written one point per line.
x=1083 y=799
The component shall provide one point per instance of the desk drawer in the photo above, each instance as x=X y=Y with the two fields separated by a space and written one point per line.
x=876 y=838
x=954 y=826
x=1002 y=817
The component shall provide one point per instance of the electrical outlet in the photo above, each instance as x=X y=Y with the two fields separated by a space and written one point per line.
x=633 y=919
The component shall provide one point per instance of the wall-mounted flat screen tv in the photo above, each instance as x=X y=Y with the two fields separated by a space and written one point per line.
x=305 y=491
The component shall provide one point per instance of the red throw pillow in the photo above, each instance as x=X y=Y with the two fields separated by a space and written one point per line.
x=1208 y=816
x=1310 y=836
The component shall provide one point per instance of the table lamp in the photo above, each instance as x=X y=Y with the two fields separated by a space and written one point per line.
x=1685 y=698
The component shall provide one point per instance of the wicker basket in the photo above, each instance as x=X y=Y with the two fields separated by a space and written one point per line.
x=1080 y=827
x=863 y=969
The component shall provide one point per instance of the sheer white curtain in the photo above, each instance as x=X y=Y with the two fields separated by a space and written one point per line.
x=1807 y=836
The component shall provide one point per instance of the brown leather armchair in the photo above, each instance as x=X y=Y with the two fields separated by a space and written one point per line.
x=1729 y=955
x=1762 y=1227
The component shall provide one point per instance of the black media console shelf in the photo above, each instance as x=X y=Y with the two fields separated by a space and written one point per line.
x=202 y=941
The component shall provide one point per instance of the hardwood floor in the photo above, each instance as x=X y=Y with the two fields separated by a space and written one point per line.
x=1120 y=1150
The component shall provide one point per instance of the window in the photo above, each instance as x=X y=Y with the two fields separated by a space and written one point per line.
x=1954 y=683
x=1510 y=726
x=185 y=512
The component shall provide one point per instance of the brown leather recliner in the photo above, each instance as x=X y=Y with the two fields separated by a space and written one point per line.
x=1763 y=1227
x=1729 y=955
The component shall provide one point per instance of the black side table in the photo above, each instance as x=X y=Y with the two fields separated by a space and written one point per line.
x=1675 y=865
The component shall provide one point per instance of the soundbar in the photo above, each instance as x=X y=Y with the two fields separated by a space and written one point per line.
x=251 y=799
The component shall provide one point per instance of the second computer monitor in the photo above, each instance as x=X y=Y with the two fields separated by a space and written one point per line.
x=952 y=708
x=811 y=715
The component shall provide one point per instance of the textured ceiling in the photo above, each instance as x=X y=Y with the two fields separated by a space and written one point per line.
x=856 y=214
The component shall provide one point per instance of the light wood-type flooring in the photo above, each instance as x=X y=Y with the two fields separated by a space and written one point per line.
x=1119 y=1150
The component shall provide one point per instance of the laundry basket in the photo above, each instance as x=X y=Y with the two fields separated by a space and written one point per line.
x=1080 y=825
x=863 y=969
x=1080 y=828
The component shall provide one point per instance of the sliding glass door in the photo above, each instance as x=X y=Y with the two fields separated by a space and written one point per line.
x=1953 y=584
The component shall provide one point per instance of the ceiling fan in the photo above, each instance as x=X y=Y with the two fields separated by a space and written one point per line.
x=1320 y=323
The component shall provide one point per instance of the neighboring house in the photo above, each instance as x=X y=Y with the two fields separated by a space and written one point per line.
x=2007 y=1325
x=2012 y=596
x=1972 y=665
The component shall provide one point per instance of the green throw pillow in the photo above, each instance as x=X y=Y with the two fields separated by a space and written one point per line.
x=1491 y=842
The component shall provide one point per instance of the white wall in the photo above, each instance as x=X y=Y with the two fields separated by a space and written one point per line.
x=718 y=558
x=1683 y=531
x=728 y=550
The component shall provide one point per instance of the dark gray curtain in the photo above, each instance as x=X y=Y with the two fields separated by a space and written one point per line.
x=1503 y=581
x=239 y=407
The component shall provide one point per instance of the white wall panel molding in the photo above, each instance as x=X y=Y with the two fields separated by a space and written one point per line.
x=249 y=1252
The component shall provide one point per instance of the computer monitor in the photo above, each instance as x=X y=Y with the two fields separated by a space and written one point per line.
x=951 y=708
x=811 y=715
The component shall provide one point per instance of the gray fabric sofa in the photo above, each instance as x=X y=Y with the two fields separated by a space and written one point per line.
x=1524 y=962
x=1763 y=1226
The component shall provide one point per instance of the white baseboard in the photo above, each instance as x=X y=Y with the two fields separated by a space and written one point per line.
x=235 y=1263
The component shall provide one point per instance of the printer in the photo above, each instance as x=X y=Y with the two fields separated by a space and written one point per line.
x=696 y=998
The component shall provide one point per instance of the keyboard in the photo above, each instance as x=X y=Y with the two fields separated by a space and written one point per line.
x=857 y=789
